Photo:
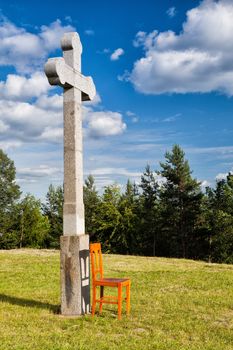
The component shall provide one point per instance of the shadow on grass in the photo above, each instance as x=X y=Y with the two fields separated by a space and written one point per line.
x=30 y=303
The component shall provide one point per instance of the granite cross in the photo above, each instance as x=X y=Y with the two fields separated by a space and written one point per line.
x=66 y=72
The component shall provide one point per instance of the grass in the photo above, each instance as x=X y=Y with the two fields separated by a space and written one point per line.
x=176 y=304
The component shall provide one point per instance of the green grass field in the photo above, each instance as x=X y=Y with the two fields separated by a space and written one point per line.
x=176 y=304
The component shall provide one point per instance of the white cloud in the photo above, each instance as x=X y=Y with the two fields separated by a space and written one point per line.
x=27 y=122
x=40 y=171
x=115 y=171
x=133 y=116
x=52 y=134
x=54 y=102
x=18 y=87
x=205 y=184
x=211 y=150
x=6 y=145
x=223 y=176
x=104 y=123
x=116 y=54
x=96 y=100
x=42 y=120
x=51 y=35
x=198 y=59
x=3 y=127
x=27 y=51
x=171 y=12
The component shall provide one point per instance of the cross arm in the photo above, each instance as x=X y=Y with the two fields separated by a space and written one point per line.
x=59 y=73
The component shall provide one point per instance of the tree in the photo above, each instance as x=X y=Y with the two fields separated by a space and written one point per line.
x=91 y=203
x=218 y=223
x=53 y=210
x=128 y=230
x=32 y=227
x=181 y=198
x=9 y=194
x=149 y=213
x=108 y=218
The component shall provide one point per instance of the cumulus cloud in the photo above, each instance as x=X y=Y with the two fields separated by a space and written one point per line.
x=204 y=184
x=25 y=50
x=52 y=134
x=198 y=59
x=27 y=122
x=223 y=176
x=29 y=112
x=54 y=102
x=104 y=123
x=42 y=120
x=18 y=87
x=116 y=54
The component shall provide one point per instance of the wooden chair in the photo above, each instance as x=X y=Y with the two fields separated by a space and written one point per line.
x=98 y=280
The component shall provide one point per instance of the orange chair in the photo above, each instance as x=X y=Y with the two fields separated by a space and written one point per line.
x=99 y=280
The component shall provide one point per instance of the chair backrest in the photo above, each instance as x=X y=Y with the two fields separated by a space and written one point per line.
x=96 y=261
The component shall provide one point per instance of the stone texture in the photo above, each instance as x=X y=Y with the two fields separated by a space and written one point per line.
x=66 y=72
x=75 y=275
x=73 y=223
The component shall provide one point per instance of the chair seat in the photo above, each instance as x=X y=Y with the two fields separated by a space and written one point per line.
x=112 y=281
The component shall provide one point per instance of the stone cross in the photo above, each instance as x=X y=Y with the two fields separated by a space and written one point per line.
x=66 y=72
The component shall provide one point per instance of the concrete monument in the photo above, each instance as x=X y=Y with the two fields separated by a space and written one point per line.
x=66 y=72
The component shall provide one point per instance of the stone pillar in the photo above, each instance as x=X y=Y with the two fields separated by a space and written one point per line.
x=75 y=291
x=66 y=72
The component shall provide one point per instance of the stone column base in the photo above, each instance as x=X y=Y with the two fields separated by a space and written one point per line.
x=75 y=275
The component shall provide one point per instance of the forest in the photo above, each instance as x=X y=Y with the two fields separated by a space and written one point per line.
x=167 y=214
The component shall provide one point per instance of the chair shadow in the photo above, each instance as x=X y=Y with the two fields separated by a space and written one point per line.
x=30 y=303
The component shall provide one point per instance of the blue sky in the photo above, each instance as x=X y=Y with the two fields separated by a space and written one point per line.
x=163 y=71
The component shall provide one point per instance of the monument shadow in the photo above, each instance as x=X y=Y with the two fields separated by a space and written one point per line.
x=29 y=303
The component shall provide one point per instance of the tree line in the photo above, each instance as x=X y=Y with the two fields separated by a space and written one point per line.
x=166 y=214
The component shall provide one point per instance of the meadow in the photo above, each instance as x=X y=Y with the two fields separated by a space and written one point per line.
x=176 y=304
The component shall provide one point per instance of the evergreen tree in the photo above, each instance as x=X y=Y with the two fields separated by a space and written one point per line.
x=181 y=198
x=32 y=226
x=219 y=221
x=91 y=203
x=149 y=213
x=129 y=221
x=108 y=218
x=53 y=210
x=9 y=195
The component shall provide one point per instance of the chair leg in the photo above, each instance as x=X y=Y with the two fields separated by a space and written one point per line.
x=128 y=298
x=119 y=300
x=101 y=297
x=93 y=300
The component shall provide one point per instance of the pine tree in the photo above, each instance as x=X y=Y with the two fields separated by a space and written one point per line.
x=33 y=227
x=9 y=195
x=181 y=198
x=219 y=221
x=149 y=213
x=53 y=210
x=108 y=219
x=129 y=221
x=91 y=203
